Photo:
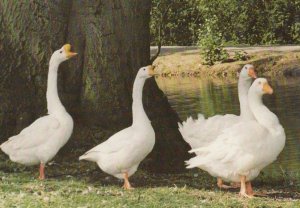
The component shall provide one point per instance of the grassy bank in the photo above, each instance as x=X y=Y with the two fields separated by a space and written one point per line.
x=188 y=62
x=84 y=185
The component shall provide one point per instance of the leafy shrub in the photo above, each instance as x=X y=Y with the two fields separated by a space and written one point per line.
x=211 y=43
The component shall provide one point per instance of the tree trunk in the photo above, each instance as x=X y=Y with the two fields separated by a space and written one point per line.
x=112 y=39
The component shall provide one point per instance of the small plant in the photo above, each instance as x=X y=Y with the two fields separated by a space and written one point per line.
x=212 y=44
x=241 y=56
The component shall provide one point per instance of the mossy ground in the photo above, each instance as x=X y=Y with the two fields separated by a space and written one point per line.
x=82 y=184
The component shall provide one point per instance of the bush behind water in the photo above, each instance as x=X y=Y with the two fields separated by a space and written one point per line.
x=211 y=43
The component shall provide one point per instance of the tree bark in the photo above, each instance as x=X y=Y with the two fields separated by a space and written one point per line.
x=112 y=39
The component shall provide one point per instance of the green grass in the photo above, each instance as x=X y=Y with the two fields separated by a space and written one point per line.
x=84 y=185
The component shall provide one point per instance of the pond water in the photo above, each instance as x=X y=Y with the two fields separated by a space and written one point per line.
x=190 y=96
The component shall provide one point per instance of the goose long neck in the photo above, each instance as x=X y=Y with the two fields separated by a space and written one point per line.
x=53 y=102
x=243 y=88
x=138 y=112
x=261 y=113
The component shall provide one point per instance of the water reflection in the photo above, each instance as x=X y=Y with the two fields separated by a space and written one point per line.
x=190 y=96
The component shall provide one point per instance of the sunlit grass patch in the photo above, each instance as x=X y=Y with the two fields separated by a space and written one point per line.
x=95 y=189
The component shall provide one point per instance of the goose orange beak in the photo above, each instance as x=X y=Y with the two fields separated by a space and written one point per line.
x=252 y=73
x=267 y=89
x=68 y=51
x=151 y=70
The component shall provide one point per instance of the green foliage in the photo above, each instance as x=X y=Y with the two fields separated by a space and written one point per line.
x=179 y=21
x=241 y=56
x=211 y=43
x=239 y=22
x=283 y=17
x=296 y=32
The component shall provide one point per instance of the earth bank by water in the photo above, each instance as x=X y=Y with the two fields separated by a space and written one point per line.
x=186 y=61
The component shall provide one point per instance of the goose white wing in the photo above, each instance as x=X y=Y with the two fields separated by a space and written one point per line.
x=39 y=132
x=116 y=142
x=201 y=132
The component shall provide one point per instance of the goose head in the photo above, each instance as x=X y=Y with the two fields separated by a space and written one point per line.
x=63 y=54
x=261 y=86
x=146 y=72
x=248 y=72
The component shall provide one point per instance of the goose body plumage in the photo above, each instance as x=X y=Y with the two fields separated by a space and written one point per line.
x=123 y=151
x=229 y=155
x=41 y=141
x=201 y=132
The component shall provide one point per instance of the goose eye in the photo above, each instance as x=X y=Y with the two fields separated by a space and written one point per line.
x=144 y=69
x=259 y=83
x=60 y=51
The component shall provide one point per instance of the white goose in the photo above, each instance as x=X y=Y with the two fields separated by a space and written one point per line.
x=122 y=153
x=243 y=150
x=39 y=142
x=202 y=132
